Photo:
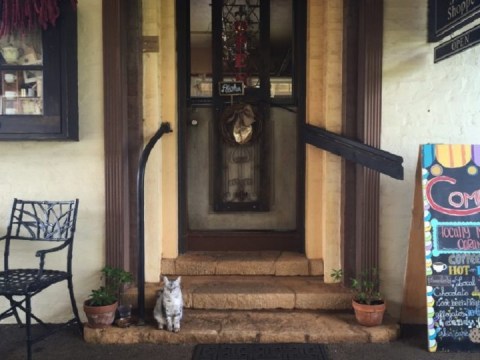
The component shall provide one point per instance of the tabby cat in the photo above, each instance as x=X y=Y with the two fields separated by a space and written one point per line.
x=169 y=307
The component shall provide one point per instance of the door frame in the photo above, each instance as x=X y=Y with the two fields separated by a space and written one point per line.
x=240 y=240
x=362 y=119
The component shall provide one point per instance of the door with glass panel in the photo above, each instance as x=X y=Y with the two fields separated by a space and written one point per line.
x=241 y=107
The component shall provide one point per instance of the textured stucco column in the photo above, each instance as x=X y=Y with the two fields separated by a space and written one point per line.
x=153 y=179
x=324 y=109
x=168 y=76
x=161 y=185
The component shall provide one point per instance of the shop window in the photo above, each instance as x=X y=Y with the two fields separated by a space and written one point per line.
x=38 y=83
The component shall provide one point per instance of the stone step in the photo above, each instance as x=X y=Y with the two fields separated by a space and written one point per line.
x=279 y=326
x=274 y=263
x=254 y=293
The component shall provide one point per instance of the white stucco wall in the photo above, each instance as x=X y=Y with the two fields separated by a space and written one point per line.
x=67 y=170
x=423 y=102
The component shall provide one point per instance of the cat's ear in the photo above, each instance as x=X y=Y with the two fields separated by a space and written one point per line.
x=179 y=280
x=165 y=280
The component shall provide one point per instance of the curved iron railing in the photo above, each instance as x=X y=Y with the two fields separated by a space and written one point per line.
x=164 y=129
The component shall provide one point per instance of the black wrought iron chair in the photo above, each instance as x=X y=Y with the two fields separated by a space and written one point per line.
x=45 y=222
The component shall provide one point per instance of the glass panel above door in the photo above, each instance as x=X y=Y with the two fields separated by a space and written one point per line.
x=240 y=37
x=200 y=49
x=241 y=41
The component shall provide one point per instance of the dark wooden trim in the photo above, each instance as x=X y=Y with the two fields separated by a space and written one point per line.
x=59 y=120
x=183 y=58
x=244 y=241
x=135 y=116
x=360 y=153
x=362 y=120
x=116 y=155
x=122 y=99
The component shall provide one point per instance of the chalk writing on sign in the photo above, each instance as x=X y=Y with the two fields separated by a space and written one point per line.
x=230 y=88
x=456 y=237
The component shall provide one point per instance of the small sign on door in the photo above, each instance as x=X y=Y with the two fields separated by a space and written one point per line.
x=230 y=88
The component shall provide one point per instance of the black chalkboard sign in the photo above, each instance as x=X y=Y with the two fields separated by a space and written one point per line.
x=451 y=193
x=230 y=88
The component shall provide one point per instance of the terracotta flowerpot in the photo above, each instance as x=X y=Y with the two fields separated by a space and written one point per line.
x=369 y=315
x=100 y=316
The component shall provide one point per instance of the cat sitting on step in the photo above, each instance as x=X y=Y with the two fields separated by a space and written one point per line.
x=169 y=307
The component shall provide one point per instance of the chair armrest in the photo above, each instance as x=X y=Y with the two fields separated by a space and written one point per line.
x=41 y=253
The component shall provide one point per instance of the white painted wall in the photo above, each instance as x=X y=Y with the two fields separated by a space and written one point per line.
x=67 y=170
x=423 y=102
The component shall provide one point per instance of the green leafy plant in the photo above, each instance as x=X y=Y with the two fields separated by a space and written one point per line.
x=337 y=275
x=114 y=278
x=366 y=287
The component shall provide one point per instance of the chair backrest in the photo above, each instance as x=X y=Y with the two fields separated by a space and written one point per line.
x=52 y=221
x=42 y=220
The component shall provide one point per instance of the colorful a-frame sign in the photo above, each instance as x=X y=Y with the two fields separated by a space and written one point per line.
x=450 y=181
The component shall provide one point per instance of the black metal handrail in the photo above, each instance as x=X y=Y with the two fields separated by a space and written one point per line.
x=369 y=156
x=164 y=128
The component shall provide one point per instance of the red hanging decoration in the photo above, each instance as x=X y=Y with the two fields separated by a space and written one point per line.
x=241 y=54
x=24 y=15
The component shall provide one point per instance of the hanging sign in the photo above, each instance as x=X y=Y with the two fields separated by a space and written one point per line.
x=231 y=88
x=446 y=16
x=458 y=44
x=451 y=203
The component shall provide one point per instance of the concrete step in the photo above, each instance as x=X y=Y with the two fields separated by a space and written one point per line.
x=274 y=263
x=279 y=326
x=254 y=293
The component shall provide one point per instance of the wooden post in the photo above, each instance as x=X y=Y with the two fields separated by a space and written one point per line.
x=414 y=306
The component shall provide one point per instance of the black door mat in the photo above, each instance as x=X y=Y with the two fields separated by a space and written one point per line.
x=260 y=352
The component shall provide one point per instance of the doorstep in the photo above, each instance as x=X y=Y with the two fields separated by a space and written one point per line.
x=222 y=326
x=276 y=263
x=253 y=293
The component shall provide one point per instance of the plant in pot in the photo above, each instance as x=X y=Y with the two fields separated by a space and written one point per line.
x=368 y=303
x=102 y=303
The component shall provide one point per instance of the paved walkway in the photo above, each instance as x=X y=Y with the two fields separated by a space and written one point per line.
x=69 y=345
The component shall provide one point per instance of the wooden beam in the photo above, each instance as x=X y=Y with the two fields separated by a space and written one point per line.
x=369 y=156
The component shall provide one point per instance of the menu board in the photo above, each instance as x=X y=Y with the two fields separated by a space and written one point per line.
x=451 y=199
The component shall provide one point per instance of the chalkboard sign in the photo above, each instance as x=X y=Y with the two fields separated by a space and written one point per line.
x=451 y=196
x=230 y=88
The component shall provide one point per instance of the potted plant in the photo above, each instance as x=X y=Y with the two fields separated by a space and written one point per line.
x=368 y=303
x=102 y=303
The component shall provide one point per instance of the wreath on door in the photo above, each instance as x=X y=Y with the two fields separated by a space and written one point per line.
x=241 y=124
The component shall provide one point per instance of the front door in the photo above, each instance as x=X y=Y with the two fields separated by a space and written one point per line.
x=241 y=107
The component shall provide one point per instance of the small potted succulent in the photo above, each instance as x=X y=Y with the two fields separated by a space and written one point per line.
x=102 y=303
x=368 y=303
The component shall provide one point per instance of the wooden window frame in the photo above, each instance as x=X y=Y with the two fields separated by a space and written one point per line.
x=59 y=120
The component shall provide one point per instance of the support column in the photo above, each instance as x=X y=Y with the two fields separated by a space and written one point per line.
x=362 y=120
x=121 y=22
